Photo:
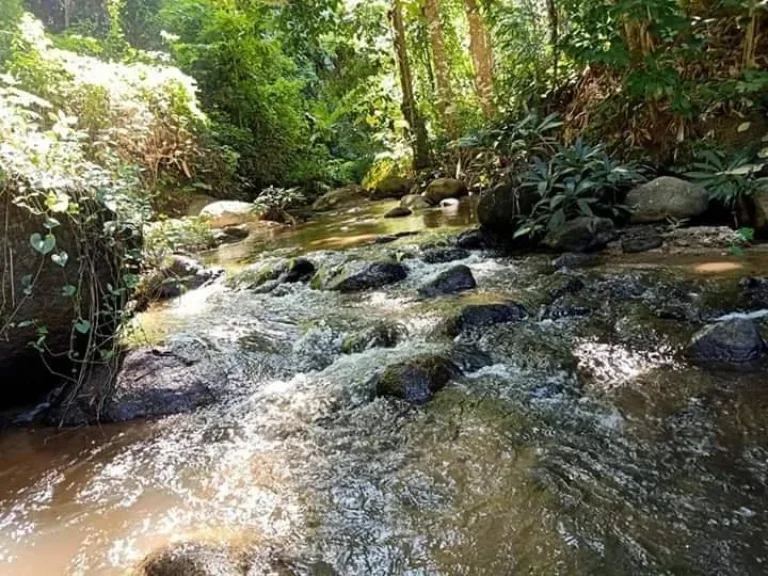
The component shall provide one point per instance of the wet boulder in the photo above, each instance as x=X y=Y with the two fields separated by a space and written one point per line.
x=272 y=273
x=474 y=239
x=380 y=335
x=441 y=255
x=754 y=291
x=585 y=234
x=359 y=275
x=176 y=275
x=394 y=187
x=499 y=208
x=193 y=559
x=734 y=344
x=667 y=197
x=230 y=234
x=443 y=189
x=455 y=279
x=641 y=241
x=229 y=213
x=398 y=212
x=414 y=202
x=474 y=317
x=573 y=260
x=340 y=198
x=416 y=380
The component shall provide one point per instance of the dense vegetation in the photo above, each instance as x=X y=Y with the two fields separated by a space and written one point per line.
x=130 y=107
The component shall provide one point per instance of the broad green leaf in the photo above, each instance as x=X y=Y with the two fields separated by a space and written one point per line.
x=68 y=291
x=60 y=258
x=83 y=326
x=42 y=244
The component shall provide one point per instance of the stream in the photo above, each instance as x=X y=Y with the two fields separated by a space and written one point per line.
x=571 y=444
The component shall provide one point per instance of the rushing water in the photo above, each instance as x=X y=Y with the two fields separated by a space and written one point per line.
x=635 y=463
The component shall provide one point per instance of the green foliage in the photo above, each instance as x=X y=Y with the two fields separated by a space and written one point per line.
x=576 y=180
x=274 y=200
x=174 y=236
x=727 y=178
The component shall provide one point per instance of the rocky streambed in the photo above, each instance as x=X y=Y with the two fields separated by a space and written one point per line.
x=419 y=405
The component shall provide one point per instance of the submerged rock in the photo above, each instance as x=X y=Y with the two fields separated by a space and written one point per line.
x=584 y=234
x=667 y=197
x=731 y=344
x=573 y=260
x=417 y=379
x=444 y=188
x=455 y=279
x=360 y=275
x=392 y=187
x=381 y=335
x=229 y=213
x=192 y=559
x=398 y=212
x=478 y=316
x=499 y=207
x=340 y=198
x=415 y=202
x=442 y=255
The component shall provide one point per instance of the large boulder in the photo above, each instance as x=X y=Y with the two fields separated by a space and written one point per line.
x=444 y=188
x=359 y=275
x=394 y=187
x=414 y=202
x=51 y=289
x=480 y=316
x=499 y=207
x=585 y=234
x=734 y=344
x=455 y=279
x=667 y=197
x=229 y=213
x=417 y=379
x=340 y=198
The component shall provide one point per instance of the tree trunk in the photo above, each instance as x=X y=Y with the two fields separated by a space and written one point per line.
x=482 y=56
x=442 y=70
x=554 y=38
x=410 y=111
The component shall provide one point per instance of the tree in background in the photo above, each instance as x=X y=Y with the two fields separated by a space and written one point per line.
x=482 y=57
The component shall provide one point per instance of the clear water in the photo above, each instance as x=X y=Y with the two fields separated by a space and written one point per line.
x=645 y=466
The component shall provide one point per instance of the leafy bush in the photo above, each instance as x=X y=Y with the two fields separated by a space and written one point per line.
x=175 y=235
x=577 y=180
x=727 y=178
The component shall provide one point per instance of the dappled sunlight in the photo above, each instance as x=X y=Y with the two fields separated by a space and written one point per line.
x=718 y=267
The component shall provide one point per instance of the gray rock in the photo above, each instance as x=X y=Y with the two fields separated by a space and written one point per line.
x=731 y=344
x=392 y=187
x=176 y=275
x=584 y=234
x=477 y=316
x=456 y=279
x=340 y=198
x=225 y=213
x=442 y=255
x=641 y=242
x=573 y=260
x=230 y=234
x=475 y=239
x=444 y=188
x=667 y=197
x=360 y=275
x=414 y=202
x=380 y=335
x=417 y=379
x=266 y=275
x=398 y=212
x=499 y=207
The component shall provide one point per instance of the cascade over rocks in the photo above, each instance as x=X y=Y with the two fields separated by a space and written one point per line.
x=225 y=213
x=394 y=187
x=359 y=275
x=340 y=198
x=585 y=234
x=734 y=344
x=667 y=197
x=455 y=279
x=444 y=188
x=416 y=380
x=380 y=335
x=498 y=208
x=273 y=272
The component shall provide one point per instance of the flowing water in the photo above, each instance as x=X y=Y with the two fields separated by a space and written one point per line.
x=634 y=463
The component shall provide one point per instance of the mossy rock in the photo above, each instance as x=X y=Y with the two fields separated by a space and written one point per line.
x=273 y=271
x=416 y=380
x=381 y=335
x=359 y=275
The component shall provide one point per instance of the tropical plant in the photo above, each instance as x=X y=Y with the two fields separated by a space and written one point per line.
x=727 y=178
